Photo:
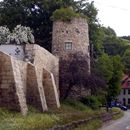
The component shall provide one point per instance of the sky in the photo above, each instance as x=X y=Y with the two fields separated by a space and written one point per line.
x=116 y=14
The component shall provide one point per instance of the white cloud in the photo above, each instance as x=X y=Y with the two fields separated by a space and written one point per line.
x=116 y=14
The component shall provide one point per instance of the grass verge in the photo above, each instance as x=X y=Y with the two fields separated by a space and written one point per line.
x=121 y=113
x=97 y=123
x=91 y=125
x=69 y=111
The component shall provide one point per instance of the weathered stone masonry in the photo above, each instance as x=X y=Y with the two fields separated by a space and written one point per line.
x=70 y=38
x=12 y=93
x=35 y=93
x=74 y=31
x=43 y=59
x=30 y=74
x=23 y=83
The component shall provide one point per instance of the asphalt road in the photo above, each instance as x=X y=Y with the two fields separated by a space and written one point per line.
x=121 y=124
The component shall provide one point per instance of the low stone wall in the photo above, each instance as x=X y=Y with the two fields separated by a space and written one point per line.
x=75 y=124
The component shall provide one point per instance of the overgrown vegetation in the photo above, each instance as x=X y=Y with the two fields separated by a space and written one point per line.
x=97 y=123
x=33 y=121
x=91 y=101
x=74 y=73
x=37 y=121
x=69 y=111
x=66 y=14
x=121 y=114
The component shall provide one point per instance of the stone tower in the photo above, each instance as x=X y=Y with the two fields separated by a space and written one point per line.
x=71 y=37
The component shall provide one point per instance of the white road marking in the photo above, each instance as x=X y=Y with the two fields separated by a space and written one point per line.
x=128 y=128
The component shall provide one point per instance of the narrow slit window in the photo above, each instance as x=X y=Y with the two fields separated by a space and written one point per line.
x=68 y=45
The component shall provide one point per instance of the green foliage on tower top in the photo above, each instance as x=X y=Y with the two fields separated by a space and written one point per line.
x=66 y=14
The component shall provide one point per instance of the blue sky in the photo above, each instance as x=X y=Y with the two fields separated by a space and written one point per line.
x=116 y=14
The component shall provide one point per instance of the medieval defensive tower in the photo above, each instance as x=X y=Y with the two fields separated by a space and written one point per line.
x=70 y=38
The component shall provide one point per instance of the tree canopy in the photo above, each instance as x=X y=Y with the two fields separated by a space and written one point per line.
x=111 y=69
x=36 y=15
x=114 y=85
x=107 y=50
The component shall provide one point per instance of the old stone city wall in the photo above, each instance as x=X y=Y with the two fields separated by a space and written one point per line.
x=44 y=59
x=23 y=83
x=12 y=93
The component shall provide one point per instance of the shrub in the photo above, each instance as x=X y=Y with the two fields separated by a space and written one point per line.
x=91 y=101
x=19 y=35
x=65 y=14
x=75 y=104
x=4 y=32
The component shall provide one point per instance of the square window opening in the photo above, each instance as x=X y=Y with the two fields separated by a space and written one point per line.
x=68 y=45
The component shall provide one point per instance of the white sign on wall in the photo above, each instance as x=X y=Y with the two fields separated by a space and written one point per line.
x=13 y=50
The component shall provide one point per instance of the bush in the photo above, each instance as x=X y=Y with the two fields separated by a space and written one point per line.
x=91 y=101
x=75 y=104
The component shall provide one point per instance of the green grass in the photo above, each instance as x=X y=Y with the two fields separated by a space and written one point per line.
x=115 y=109
x=91 y=125
x=97 y=123
x=121 y=113
x=33 y=121
x=75 y=104
x=69 y=111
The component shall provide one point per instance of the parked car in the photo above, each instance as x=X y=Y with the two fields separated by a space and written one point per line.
x=124 y=108
x=119 y=105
